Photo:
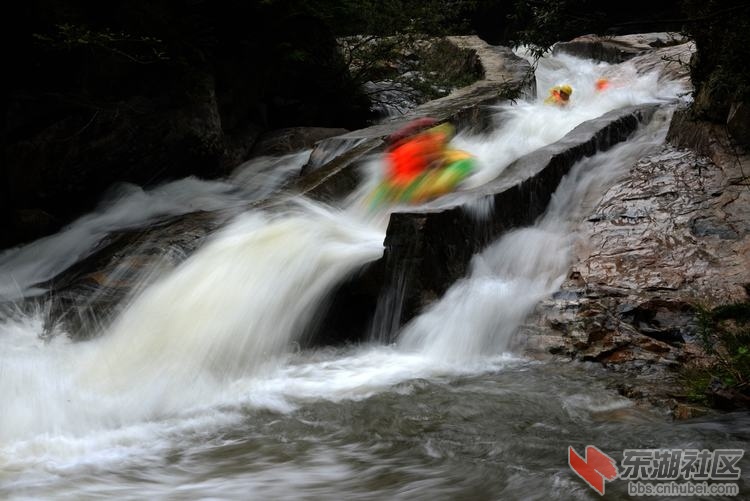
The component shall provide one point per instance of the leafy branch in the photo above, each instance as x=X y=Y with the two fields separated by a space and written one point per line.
x=137 y=49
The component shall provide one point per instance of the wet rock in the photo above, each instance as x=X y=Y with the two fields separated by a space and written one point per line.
x=668 y=236
x=682 y=411
x=702 y=227
x=738 y=122
x=430 y=69
x=83 y=299
x=429 y=248
x=616 y=49
x=289 y=140
x=667 y=53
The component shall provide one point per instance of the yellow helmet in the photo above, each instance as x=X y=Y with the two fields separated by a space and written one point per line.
x=566 y=89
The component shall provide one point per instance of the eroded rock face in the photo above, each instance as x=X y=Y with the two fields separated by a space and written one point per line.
x=671 y=235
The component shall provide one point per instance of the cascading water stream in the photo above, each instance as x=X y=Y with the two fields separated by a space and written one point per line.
x=243 y=298
x=199 y=372
x=129 y=206
x=529 y=125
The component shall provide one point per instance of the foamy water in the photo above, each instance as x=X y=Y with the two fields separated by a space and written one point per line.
x=529 y=125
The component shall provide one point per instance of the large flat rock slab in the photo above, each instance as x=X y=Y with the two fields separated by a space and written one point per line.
x=617 y=49
x=670 y=237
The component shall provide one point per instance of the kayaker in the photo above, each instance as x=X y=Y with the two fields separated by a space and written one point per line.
x=559 y=95
x=410 y=157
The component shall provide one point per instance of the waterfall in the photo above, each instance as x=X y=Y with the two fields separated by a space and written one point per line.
x=226 y=313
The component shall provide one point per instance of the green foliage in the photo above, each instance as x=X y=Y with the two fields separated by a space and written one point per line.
x=696 y=383
x=724 y=334
x=539 y=24
x=719 y=70
x=137 y=49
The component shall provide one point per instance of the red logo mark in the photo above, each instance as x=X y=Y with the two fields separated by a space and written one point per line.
x=594 y=469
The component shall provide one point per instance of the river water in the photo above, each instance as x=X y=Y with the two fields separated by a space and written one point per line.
x=200 y=390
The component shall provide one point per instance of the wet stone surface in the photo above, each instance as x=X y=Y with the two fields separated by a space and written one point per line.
x=671 y=235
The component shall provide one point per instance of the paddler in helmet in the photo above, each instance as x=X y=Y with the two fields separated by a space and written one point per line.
x=559 y=95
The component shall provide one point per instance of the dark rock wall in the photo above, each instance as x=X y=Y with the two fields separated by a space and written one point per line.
x=719 y=68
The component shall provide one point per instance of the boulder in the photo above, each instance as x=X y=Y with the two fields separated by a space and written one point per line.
x=616 y=49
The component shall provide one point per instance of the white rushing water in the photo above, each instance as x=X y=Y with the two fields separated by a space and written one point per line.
x=129 y=206
x=229 y=310
x=529 y=125
x=217 y=334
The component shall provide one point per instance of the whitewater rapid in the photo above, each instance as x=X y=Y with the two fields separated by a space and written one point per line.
x=125 y=206
x=217 y=336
